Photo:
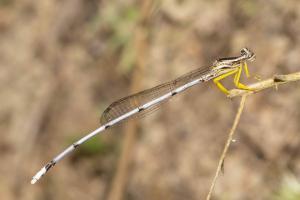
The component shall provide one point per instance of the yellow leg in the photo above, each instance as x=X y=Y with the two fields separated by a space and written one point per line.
x=236 y=79
x=246 y=70
x=238 y=76
x=220 y=85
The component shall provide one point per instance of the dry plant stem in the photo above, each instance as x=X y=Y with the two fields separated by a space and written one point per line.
x=226 y=147
x=256 y=87
x=264 y=84
x=120 y=179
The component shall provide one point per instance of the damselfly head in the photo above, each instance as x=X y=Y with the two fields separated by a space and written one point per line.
x=249 y=55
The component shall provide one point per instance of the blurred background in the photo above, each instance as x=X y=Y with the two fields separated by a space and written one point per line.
x=62 y=62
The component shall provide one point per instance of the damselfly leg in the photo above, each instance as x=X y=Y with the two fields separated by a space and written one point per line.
x=219 y=78
x=237 y=75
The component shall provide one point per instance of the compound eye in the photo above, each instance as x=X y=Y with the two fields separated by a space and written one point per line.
x=245 y=51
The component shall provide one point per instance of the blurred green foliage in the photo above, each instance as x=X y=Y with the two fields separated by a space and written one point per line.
x=289 y=190
x=122 y=23
x=96 y=146
x=248 y=8
x=6 y=2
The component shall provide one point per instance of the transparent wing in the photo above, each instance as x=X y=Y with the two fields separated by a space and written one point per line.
x=126 y=104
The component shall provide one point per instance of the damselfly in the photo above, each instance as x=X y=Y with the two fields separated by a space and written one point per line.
x=147 y=100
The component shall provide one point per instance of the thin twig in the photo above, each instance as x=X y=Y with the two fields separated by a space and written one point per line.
x=226 y=147
x=264 y=84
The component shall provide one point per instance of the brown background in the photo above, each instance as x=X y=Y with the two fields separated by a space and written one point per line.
x=62 y=62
